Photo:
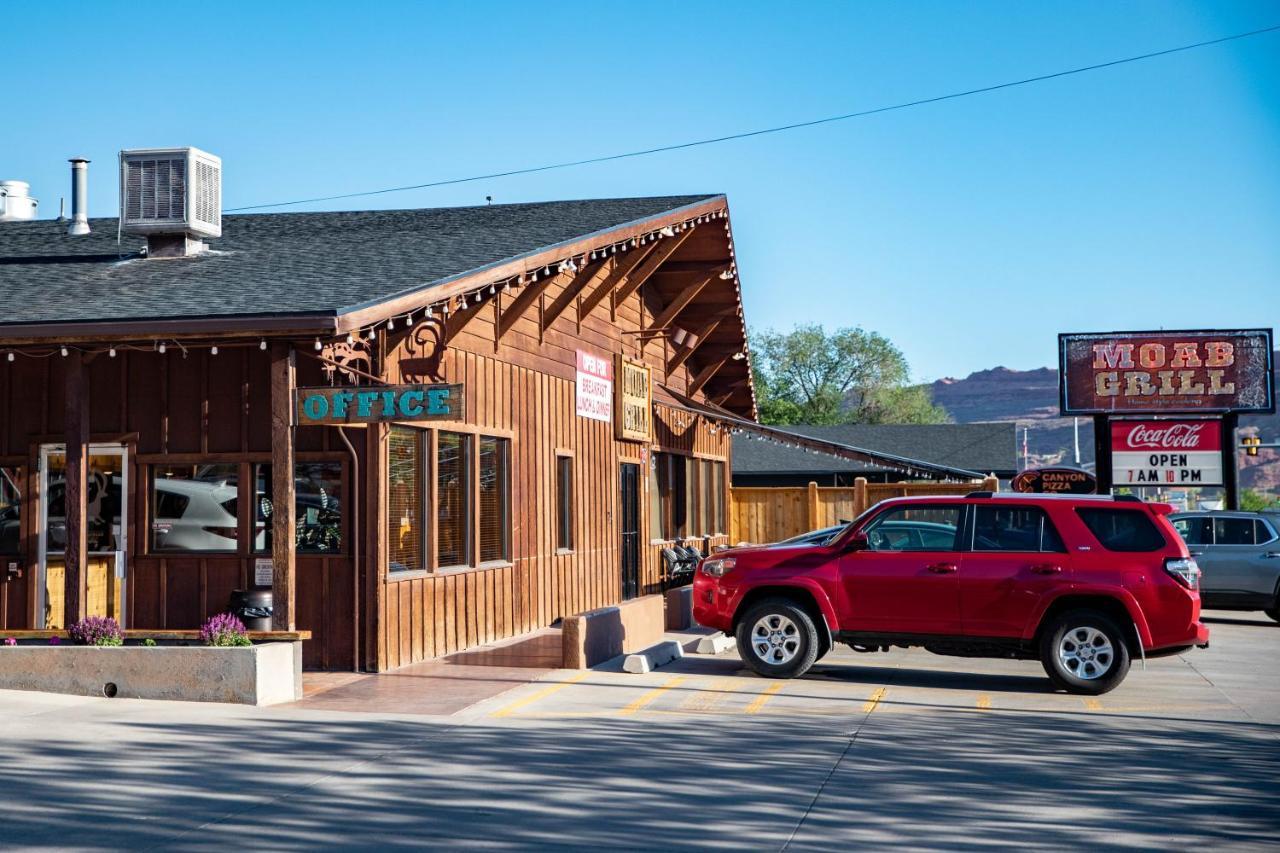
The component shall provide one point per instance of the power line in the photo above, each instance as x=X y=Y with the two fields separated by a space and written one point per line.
x=779 y=129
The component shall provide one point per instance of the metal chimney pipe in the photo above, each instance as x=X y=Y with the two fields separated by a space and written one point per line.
x=79 y=197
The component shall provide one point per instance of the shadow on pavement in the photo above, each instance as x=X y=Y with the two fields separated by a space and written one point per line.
x=925 y=780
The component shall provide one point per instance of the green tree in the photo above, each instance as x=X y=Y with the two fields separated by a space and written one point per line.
x=851 y=376
x=1251 y=500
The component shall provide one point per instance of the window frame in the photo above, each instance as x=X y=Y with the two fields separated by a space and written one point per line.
x=1046 y=522
x=1164 y=543
x=964 y=523
x=17 y=474
x=504 y=443
x=566 y=503
x=426 y=447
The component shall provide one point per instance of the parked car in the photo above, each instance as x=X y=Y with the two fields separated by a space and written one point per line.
x=1081 y=583
x=1239 y=553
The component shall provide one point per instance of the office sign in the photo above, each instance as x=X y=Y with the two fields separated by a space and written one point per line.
x=373 y=404
x=633 y=401
x=1166 y=453
x=1175 y=372
x=595 y=387
x=1055 y=480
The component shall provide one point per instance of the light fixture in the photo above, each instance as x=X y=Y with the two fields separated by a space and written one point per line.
x=64 y=352
x=262 y=345
x=739 y=356
x=430 y=313
x=319 y=346
x=111 y=352
x=391 y=324
x=492 y=289
x=667 y=231
x=351 y=339
x=546 y=270
x=11 y=356
x=726 y=275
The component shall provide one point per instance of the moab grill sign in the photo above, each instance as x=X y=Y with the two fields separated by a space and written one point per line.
x=1176 y=372
x=377 y=403
x=1166 y=453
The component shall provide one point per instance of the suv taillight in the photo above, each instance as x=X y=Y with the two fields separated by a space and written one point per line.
x=1184 y=570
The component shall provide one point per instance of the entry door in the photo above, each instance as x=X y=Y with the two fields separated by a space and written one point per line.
x=107 y=523
x=629 y=519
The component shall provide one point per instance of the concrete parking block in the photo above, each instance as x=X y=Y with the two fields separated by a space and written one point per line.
x=716 y=644
x=653 y=657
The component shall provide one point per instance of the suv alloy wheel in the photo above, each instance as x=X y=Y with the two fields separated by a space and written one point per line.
x=777 y=638
x=1084 y=651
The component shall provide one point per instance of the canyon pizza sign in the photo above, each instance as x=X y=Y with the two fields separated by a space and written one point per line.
x=1166 y=453
x=1174 y=372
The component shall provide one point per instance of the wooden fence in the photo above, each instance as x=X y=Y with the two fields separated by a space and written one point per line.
x=767 y=514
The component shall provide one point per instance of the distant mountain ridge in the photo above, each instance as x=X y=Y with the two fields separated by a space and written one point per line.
x=1030 y=398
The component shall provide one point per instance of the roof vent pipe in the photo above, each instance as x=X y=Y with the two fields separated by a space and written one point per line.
x=79 y=197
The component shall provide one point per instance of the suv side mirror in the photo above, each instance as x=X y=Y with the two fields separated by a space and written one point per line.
x=857 y=542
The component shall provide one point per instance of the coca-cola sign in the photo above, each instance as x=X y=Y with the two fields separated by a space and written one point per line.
x=1211 y=371
x=1167 y=453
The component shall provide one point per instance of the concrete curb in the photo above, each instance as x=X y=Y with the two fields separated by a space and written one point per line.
x=717 y=643
x=653 y=657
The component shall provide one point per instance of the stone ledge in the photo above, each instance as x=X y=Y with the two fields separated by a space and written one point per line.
x=599 y=635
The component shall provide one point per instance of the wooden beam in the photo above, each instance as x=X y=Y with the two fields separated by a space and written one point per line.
x=526 y=299
x=669 y=314
x=705 y=374
x=700 y=337
x=620 y=268
x=459 y=319
x=641 y=274
x=76 y=489
x=283 y=525
x=589 y=276
x=697 y=266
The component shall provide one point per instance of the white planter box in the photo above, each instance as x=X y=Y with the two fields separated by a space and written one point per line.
x=263 y=674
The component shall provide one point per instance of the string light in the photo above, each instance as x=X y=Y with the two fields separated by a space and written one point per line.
x=262 y=345
x=111 y=352
x=320 y=346
x=11 y=356
x=213 y=350
x=391 y=324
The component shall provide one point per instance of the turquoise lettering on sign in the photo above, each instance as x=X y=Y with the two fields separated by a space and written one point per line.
x=340 y=403
x=315 y=407
x=438 y=401
x=411 y=403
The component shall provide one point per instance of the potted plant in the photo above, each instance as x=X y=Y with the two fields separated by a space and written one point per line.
x=96 y=631
x=224 y=630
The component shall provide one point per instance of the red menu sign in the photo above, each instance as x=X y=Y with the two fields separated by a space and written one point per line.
x=1183 y=372
x=1186 y=453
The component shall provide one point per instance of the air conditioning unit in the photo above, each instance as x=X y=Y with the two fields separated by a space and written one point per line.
x=171 y=191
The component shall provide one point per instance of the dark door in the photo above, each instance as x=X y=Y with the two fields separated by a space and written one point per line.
x=629 y=518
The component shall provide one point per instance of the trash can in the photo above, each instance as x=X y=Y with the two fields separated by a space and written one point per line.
x=252 y=607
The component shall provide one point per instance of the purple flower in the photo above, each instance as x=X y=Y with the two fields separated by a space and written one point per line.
x=10 y=641
x=96 y=631
x=53 y=641
x=224 y=630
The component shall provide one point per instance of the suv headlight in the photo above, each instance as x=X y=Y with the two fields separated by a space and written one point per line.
x=717 y=568
x=1185 y=571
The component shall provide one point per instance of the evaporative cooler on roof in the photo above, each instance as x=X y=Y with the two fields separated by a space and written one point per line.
x=171 y=191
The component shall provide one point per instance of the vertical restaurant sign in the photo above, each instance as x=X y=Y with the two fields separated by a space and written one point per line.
x=1176 y=372
x=633 y=402
x=595 y=387
x=1166 y=453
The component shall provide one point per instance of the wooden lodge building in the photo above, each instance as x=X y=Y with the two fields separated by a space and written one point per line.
x=495 y=416
x=148 y=398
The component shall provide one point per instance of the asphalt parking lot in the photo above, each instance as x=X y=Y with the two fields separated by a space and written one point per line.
x=904 y=749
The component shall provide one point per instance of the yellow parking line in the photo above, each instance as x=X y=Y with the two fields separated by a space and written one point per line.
x=705 y=699
x=541 y=694
x=874 y=700
x=763 y=697
x=1093 y=704
x=635 y=706
x=984 y=702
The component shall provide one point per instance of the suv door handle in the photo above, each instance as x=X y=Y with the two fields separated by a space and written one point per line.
x=942 y=568
x=1196 y=553
x=1271 y=555
x=1046 y=569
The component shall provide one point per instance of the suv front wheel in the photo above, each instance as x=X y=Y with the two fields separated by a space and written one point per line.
x=1084 y=651
x=777 y=638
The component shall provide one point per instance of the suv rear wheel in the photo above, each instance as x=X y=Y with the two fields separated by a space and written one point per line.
x=777 y=638
x=1084 y=651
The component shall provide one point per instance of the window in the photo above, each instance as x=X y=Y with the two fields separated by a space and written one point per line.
x=1195 y=530
x=1122 y=529
x=564 y=503
x=453 y=530
x=195 y=507
x=1233 y=531
x=406 y=499
x=494 y=507
x=670 y=520
x=316 y=505
x=1014 y=528
x=931 y=528
x=10 y=510
x=721 y=527
x=1262 y=532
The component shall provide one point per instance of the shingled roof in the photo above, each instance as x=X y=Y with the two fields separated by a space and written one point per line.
x=282 y=264
x=985 y=448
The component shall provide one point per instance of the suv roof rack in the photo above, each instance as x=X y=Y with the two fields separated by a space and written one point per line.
x=1052 y=496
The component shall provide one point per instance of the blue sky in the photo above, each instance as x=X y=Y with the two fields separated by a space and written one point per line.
x=969 y=232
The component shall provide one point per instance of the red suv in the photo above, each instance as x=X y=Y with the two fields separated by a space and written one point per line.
x=1081 y=583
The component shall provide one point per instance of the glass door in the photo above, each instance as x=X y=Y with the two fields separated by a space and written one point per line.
x=107 y=523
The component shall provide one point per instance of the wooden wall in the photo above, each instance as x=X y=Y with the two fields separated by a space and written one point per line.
x=769 y=514
x=173 y=408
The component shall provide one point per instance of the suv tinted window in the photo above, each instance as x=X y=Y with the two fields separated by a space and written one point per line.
x=1122 y=529
x=1014 y=528
x=1233 y=531
x=1196 y=530
x=1262 y=533
x=914 y=528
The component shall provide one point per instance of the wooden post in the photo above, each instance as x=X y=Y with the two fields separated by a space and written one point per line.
x=859 y=496
x=376 y=544
x=77 y=471
x=283 y=523
x=813 y=506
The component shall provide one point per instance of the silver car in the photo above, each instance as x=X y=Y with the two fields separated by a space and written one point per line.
x=1239 y=554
